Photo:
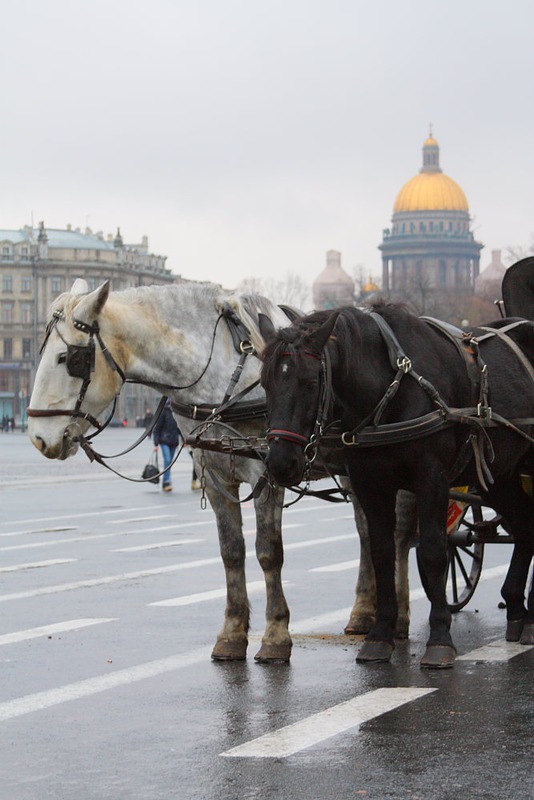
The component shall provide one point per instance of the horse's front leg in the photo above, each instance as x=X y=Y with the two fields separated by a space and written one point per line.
x=380 y=513
x=276 y=642
x=232 y=641
x=432 y=504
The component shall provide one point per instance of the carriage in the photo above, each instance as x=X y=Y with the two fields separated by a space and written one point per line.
x=472 y=525
x=181 y=341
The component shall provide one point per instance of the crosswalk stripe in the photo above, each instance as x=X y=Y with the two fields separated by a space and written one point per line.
x=50 y=630
x=496 y=651
x=330 y=722
x=86 y=688
x=156 y=545
x=37 y=564
x=199 y=597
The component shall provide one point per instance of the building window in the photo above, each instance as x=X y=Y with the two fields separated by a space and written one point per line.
x=7 y=283
x=26 y=313
x=24 y=251
x=26 y=348
x=57 y=284
x=7 y=312
x=6 y=254
x=8 y=348
x=26 y=283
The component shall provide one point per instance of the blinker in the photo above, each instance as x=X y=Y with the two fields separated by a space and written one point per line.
x=80 y=361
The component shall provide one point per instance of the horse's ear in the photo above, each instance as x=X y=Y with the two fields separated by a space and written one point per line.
x=318 y=339
x=80 y=286
x=92 y=304
x=267 y=329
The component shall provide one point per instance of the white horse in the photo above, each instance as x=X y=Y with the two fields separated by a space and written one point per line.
x=174 y=339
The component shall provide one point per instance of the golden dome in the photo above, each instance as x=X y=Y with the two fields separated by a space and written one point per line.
x=371 y=286
x=431 y=189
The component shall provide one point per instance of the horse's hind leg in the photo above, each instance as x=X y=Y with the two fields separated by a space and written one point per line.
x=380 y=513
x=363 y=613
x=405 y=535
x=276 y=642
x=509 y=499
x=232 y=641
x=432 y=502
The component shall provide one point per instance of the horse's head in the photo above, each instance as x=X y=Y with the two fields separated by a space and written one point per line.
x=76 y=380
x=292 y=376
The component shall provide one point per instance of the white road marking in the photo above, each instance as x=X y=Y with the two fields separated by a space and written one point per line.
x=86 y=688
x=330 y=722
x=39 y=530
x=156 y=545
x=49 y=630
x=496 y=651
x=138 y=519
x=37 y=564
x=65 y=587
x=200 y=597
x=100 y=513
x=88 y=538
x=126 y=576
x=341 y=566
x=104 y=512
x=313 y=542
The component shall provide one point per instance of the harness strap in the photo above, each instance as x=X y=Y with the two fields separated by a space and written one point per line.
x=502 y=334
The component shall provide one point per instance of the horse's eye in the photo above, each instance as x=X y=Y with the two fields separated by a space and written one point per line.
x=62 y=358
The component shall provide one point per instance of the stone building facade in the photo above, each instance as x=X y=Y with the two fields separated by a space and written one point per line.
x=36 y=265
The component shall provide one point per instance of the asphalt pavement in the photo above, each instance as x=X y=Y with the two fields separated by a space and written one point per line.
x=111 y=597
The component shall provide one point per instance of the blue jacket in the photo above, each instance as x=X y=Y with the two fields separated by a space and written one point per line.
x=166 y=431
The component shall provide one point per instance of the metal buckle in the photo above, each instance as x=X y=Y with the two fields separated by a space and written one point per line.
x=246 y=347
x=404 y=364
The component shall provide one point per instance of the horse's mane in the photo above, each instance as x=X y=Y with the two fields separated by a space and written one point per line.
x=248 y=307
x=346 y=337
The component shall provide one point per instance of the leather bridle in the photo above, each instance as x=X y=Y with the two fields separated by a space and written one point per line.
x=79 y=361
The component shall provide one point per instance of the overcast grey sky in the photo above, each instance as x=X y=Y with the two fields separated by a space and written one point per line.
x=247 y=138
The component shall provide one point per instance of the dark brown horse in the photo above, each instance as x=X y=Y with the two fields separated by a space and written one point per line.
x=414 y=406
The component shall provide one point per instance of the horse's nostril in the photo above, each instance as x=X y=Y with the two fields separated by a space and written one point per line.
x=40 y=443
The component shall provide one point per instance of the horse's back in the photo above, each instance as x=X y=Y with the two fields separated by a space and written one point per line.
x=518 y=289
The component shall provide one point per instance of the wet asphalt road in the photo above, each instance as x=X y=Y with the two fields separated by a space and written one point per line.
x=110 y=601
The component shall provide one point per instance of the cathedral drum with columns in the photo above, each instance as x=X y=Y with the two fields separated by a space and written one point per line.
x=430 y=246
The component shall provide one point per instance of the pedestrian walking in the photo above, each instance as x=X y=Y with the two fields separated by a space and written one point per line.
x=167 y=435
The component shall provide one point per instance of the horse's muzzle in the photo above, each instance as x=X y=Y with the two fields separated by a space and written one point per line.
x=50 y=445
x=285 y=462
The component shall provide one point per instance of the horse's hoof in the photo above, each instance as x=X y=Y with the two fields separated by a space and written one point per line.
x=273 y=653
x=228 y=650
x=438 y=656
x=527 y=637
x=514 y=629
x=378 y=652
x=358 y=625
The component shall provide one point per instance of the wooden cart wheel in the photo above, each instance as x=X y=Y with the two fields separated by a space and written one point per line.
x=465 y=563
